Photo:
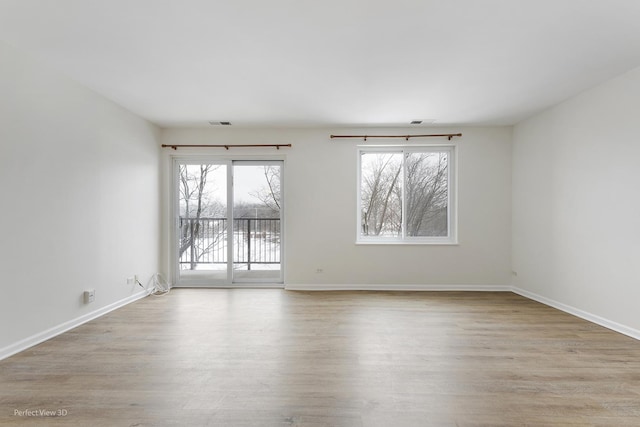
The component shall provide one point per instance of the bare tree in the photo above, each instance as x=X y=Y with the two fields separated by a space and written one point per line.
x=426 y=193
x=195 y=203
x=381 y=201
x=270 y=195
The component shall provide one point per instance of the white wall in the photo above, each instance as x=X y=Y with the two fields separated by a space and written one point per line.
x=80 y=198
x=576 y=210
x=320 y=197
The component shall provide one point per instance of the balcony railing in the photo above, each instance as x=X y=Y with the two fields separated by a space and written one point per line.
x=203 y=242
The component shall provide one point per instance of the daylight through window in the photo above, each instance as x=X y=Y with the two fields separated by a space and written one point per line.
x=406 y=194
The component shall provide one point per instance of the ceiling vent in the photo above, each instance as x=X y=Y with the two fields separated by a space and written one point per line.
x=212 y=123
x=423 y=122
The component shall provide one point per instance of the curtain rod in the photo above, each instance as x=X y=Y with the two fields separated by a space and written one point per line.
x=448 y=135
x=226 y=146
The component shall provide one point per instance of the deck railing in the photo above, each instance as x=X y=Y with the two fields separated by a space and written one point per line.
x=203 y=242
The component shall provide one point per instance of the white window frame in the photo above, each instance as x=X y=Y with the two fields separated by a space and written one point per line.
x=452 y=218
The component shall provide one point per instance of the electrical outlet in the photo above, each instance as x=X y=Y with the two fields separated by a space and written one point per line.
x=319 y=270
x=131 y=280
x=89 y=296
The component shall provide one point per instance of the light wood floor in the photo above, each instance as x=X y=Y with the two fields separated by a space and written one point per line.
x=201 y=357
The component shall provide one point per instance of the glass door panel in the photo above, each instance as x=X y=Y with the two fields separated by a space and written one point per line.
x=257 y=219
x=202 y=224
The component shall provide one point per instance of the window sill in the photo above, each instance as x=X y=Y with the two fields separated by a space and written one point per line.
x=407 y=243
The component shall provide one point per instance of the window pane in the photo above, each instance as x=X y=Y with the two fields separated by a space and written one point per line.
x=202 y=200
x=427 y=194
x=381 y=194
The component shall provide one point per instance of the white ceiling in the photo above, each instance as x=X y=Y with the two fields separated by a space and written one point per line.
x=330 y=62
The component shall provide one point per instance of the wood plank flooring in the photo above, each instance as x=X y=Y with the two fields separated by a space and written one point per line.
x=207 y=357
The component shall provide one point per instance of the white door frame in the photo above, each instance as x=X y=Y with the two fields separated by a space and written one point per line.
x=174 y=235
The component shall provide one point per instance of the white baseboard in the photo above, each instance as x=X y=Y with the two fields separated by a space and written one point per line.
x=609 y=324
x=391 y=287
x=64 y=327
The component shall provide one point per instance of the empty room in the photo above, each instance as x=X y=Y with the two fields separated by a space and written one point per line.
x=337 y=213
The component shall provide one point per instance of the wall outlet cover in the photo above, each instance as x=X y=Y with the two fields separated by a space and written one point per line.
x=89 y=296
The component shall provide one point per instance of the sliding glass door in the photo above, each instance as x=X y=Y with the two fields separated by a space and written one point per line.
x=229 y=218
